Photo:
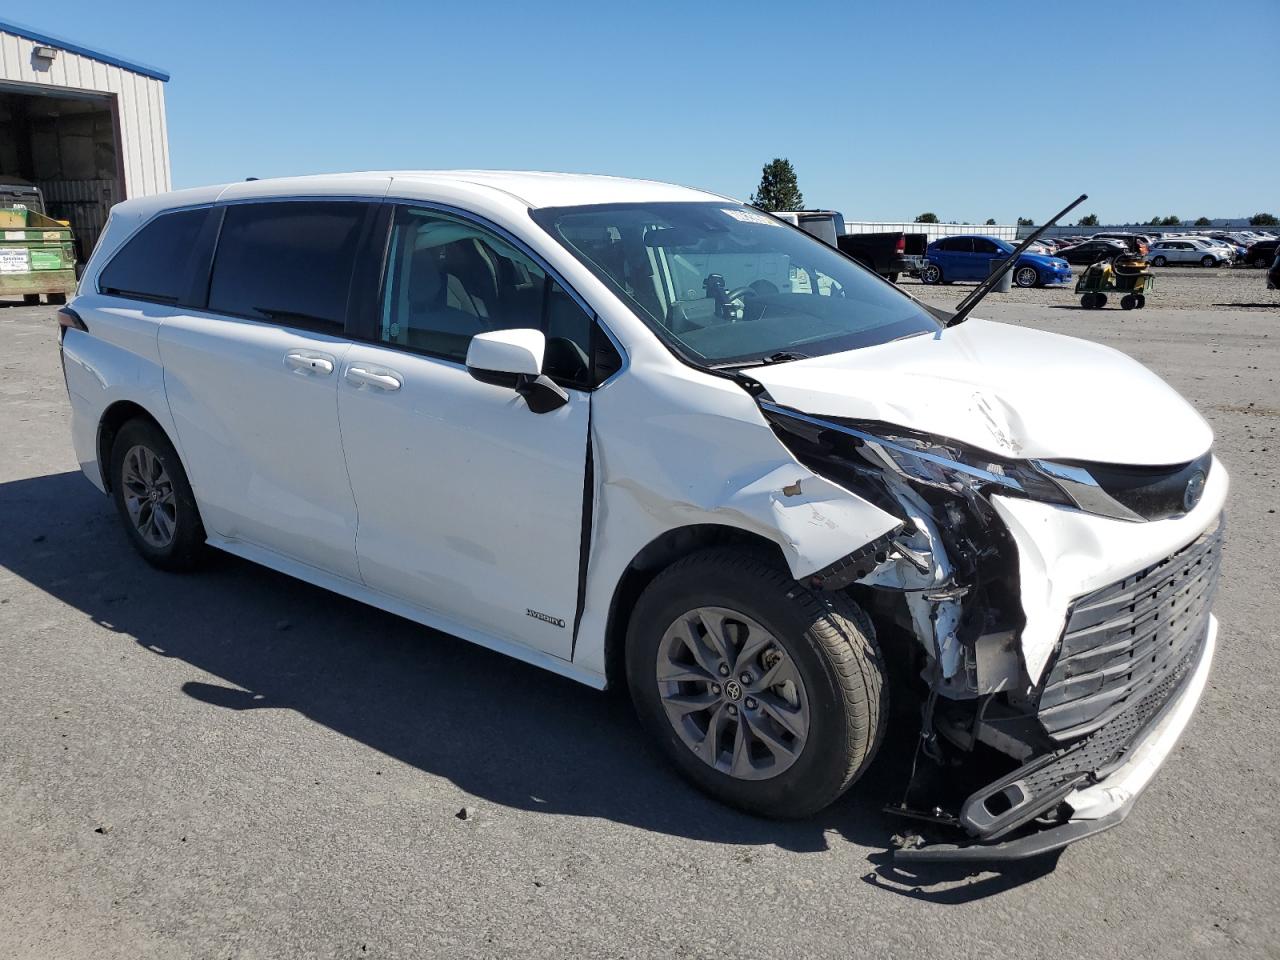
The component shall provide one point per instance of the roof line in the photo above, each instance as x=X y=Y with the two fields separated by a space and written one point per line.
x=17 y=29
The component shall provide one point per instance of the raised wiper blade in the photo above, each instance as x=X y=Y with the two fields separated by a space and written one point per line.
x=965 y=307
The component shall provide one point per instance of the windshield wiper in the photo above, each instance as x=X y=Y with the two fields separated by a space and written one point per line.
x=782 y=356
x=965 y=307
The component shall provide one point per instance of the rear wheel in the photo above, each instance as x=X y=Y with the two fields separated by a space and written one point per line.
x=57 y=299
x=1128 y=301
x=891 y=277
x=1102 y=300
x=764 y=694
x=931 y=274
x=154 y=497
x=1158 y=261
x=1142 y=301
x=1026 y=277
x=31 y=299
x=1089 y=301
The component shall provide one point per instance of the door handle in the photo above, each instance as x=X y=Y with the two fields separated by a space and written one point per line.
x=379 y=380
x=312 y=363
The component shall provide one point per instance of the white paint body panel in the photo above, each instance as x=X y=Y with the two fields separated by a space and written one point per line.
x=259 y=438
x=470 y=505
x=1009 y=390
x=118 y=362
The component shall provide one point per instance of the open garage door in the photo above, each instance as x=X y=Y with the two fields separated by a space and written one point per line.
x=67 y=144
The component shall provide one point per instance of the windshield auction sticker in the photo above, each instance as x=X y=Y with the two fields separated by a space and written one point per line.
x=748 y=216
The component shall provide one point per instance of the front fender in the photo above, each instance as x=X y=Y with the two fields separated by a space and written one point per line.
x=681 y=448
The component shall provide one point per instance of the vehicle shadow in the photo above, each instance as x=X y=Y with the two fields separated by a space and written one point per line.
x=505 y=732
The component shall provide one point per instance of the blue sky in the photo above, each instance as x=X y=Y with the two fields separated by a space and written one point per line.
x=970 y=110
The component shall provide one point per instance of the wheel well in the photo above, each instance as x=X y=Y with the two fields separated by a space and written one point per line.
x=652 y=560
x=113 y=418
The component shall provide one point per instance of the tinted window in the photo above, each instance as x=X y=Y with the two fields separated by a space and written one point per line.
x=153 y=264
x=288 y=262
x=983 y=245
x=449 y=279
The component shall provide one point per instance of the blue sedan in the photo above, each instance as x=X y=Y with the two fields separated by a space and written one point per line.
x=970 y=258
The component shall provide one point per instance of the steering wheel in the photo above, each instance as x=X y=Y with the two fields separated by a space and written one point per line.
x=757 y=288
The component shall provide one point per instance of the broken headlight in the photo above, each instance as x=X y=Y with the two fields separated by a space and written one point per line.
x=932 y=461
x=939 y=463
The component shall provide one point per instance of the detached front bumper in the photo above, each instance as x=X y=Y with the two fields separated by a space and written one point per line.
x=1097 y=806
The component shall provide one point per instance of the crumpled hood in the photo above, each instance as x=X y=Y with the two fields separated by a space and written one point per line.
x=1009 y=390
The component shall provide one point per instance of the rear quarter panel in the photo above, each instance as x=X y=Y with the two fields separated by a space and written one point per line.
x=117 y=360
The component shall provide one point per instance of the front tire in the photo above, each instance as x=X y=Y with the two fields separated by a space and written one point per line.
x=766 y=695
x=1026 y=277
x=154 y=498
x=1208 y=262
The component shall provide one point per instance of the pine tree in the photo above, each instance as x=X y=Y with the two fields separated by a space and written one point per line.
x=778 y=187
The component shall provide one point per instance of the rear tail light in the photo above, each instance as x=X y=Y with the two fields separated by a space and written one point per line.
x=68 y=319
x=902 y=245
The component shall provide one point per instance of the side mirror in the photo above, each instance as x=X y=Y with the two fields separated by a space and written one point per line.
x=513 y=358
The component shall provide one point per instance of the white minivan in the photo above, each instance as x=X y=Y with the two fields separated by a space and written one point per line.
x=641 y=434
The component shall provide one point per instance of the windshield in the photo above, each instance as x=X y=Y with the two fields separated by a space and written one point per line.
x=725 y=284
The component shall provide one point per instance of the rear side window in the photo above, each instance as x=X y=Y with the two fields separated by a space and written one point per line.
x=287 y=262
x=153 y=264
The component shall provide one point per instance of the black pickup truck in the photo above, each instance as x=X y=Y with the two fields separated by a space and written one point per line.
x=888 y=254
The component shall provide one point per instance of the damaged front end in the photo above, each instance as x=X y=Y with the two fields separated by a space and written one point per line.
x=1014 y=736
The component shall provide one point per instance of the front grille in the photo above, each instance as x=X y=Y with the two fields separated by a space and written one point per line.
x=1127 y=637
x=1042 y=783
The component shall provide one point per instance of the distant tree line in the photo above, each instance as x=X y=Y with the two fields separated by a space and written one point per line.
x=780 y=190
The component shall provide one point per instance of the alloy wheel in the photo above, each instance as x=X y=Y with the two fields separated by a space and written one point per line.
x=149 y=497
x=732 y=693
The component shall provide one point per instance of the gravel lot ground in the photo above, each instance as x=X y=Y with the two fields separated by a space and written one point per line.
x=235 y=764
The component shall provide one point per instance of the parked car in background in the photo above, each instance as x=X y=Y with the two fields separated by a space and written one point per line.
x=1135 y=242
x=643 y=435
x=970 y=258
x=1235 y=243
x=1231 y=251
x=1091 y=251
x=1261 y=253
x=1273 y=275
x=1186 y=250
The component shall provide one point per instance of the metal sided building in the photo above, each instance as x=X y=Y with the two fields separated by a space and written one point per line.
x=86 y=127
